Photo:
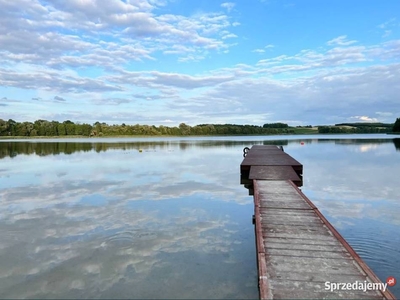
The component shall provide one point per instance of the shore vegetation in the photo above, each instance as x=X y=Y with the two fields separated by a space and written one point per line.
x=45 y=128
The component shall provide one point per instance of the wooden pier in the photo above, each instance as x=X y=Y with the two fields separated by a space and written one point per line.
x=298 y=250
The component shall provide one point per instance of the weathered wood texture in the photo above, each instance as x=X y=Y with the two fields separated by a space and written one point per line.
x=298 y=250
x=270 y=162
x=275 y=173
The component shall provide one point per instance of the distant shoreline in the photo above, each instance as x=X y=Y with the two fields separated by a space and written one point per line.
x=183 y=136
x=137 y=136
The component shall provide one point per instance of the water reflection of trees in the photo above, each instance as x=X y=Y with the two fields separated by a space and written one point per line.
x=396 y=143
x=12 y=148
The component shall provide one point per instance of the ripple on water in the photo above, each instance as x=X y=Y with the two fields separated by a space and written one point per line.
x=127 y=239
x=375 y=249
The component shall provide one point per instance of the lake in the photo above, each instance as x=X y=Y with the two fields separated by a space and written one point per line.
x=97 y=218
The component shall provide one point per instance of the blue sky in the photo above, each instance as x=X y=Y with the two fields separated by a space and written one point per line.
x=164 y=62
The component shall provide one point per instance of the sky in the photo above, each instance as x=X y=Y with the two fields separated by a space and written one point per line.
x=166 y=62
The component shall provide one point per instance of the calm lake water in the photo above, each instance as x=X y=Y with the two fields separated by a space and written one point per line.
x=96 y=218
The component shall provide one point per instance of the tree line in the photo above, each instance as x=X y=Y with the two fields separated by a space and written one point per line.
x=69 y=128
x=361 y=128
x=396 y=126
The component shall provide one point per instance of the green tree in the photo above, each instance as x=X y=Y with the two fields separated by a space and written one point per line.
x=11 y=126
x=396 y=126
x=3 y=127
x=69 y=127
x=61 y=129
x=86 y=129
x=276 y=125
x=21 y=129
x=184 y=129
x=39 y=126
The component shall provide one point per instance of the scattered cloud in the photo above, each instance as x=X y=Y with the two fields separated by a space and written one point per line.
x=49 y=79
x=111 y=101
x=93 y=218
x=262 y=50
x=364 y=119
x=387 y=24
x=59 y=99
x=340 y=41
x=229 y=36
x=228 y=5
x=388 y=27
x=134 y=32
x=143 y=56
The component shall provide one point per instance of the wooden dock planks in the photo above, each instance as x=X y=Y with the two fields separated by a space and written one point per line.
x=298 y=250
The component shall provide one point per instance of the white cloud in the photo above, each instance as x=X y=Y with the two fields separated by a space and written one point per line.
x=53 y=48
x=364 y=119
x=102 y=33
x=388 y=27
x=341 y=41
x=387 y=24
x=228 y=5
x=54 y=81
x=229 y=36
x=322 y=81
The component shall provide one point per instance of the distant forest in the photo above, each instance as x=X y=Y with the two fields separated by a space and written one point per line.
x=69 y=128
x=357 y=128
x=45 y=128
x=396 y=126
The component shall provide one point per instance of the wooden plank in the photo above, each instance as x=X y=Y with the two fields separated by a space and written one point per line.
x=292 y=222
x=307 y=242
x=321 y=238
x=315 y=274
x=293 y=230
x=265 y=147
x=284 y=290
x=270 y=160
x=312 y=253
x=318 y=265
x=304 y=245
x=283 y=197
x=279 y=187
x=273 y=173
x=270 y=156
x=287 y=205
x=302 y=217
x=310 y=276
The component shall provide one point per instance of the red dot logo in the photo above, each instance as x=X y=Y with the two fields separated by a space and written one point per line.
x=391 y=281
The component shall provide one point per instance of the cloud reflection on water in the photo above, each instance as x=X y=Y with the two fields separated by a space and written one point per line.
x=63 y=245
x=175 y=214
